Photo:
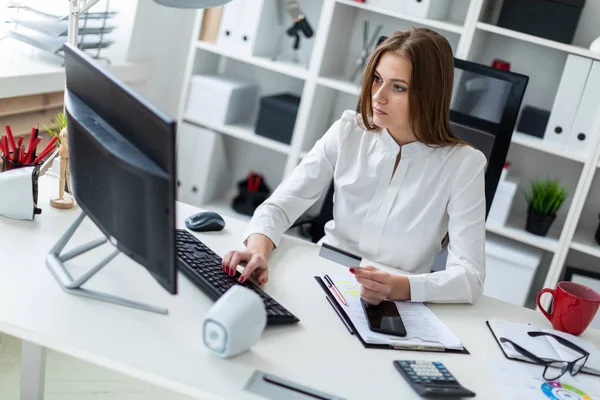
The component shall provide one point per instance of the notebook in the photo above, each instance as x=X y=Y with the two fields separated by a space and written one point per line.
x=542 y=346
x=425 y=331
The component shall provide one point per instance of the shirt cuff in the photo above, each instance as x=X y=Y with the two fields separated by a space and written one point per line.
x=264 y=230
x=417 y=287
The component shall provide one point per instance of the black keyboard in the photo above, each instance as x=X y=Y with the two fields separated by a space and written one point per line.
x=204 y=268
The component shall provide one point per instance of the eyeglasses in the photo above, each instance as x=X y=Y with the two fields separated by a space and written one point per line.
x=554 y=369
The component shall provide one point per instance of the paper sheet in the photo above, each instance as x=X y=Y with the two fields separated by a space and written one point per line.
x=521 y=381
x=423 y=327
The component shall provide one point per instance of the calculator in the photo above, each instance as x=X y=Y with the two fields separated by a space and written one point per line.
x=431 y=379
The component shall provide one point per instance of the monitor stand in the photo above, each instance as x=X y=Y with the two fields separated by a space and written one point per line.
x=55 y=262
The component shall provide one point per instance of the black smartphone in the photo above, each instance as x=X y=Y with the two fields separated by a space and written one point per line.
x=384 y=318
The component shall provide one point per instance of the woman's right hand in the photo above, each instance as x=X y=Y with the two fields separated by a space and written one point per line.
x=255 y=264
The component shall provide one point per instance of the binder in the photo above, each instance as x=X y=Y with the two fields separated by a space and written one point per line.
x=229 y=25
x=566 y=103
x=352 y=330
x=211 y=20
x=585 y=128
x=248 y=24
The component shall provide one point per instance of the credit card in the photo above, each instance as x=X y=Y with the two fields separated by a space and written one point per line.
x=339 y=256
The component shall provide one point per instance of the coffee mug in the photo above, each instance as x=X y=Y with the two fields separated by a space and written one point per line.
x=573 y=308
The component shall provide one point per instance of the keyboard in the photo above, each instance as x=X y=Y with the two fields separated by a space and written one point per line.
x=204 y=268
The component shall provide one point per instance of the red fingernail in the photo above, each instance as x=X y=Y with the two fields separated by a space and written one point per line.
x=241 y=280
x=352 y=270
x=260 y=281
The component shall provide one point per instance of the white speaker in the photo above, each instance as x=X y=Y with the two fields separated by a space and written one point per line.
x=235 y=323
x=17 y=194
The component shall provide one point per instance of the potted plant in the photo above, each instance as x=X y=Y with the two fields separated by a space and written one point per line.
x=544 y=199
x=55 y=128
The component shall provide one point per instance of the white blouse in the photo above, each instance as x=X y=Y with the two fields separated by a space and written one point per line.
x=396 y=219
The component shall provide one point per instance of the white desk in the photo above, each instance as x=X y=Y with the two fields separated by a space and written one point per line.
x=167 y=350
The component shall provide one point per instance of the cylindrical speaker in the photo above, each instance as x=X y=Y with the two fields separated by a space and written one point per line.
x=235 y=323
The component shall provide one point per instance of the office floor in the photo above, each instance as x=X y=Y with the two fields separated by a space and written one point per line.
x=70 y=379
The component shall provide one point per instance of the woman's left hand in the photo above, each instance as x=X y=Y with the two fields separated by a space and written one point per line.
x=376 y=285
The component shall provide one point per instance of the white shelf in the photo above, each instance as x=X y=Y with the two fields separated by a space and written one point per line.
x=223 y=207
x=340 y=84
x=536 y=143
x=515 y=229
x=284 y=68
x=433 y=23
x=243 y=132
x=583 y=241
x=538 y=40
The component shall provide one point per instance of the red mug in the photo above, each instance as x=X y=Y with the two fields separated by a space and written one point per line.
x=573 y=308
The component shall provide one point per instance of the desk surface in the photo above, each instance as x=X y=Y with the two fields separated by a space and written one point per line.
x=167 y=350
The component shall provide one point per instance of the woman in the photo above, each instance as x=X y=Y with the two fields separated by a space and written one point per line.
x=403 y=183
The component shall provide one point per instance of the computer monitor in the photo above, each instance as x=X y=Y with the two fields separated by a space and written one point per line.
x=122 y=163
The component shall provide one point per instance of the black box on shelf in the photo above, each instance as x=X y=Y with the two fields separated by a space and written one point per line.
x=277 y=117
x=533 y=121
x=551 y=19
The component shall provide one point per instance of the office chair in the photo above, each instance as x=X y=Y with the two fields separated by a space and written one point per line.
x=483 y=112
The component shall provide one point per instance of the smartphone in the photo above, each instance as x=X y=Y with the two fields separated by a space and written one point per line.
x=384 y=318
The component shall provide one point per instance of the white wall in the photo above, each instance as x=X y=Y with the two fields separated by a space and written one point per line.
x=162 y=36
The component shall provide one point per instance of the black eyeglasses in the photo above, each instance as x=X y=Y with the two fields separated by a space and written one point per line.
x=554 y=369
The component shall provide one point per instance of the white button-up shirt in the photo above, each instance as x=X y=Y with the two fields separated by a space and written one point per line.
x=395 y=219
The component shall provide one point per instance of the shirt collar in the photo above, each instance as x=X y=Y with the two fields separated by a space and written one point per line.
x=414 y=148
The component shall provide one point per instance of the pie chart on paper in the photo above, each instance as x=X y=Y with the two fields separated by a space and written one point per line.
x=562 y=391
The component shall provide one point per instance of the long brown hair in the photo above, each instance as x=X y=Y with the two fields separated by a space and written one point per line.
x=430 y=86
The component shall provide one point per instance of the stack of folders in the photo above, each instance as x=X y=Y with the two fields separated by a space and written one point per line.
x=572 y=123
x=424 y=330
x=542 y=346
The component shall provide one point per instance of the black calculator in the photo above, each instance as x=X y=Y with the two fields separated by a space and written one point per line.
x=431 y=379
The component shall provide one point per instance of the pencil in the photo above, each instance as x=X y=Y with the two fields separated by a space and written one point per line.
x=11 y=138
x=46 y=151
x=31 y=139
x=31 y=152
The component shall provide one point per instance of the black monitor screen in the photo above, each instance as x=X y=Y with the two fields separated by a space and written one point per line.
x=122 y=162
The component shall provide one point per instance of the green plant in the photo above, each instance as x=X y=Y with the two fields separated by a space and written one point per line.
x=55 y=127
x=546 y=196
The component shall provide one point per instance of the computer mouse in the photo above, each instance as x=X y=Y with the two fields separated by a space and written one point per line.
x=205 y=222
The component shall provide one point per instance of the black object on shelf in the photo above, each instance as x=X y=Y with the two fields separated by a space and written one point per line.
x=533 y=121
x=277 y=117
x=252 y=192
x=538 y=223
x=551 y=19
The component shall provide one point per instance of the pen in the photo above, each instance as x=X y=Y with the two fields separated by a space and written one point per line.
x=335 y=289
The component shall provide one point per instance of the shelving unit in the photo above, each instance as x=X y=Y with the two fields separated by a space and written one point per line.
x=434 y=24
x=243 y=132
x=539 y=41
x=536 y=143
x=288 y=69
x=325 y=89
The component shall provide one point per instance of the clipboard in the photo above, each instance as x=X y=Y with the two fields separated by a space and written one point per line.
x=350 y=326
